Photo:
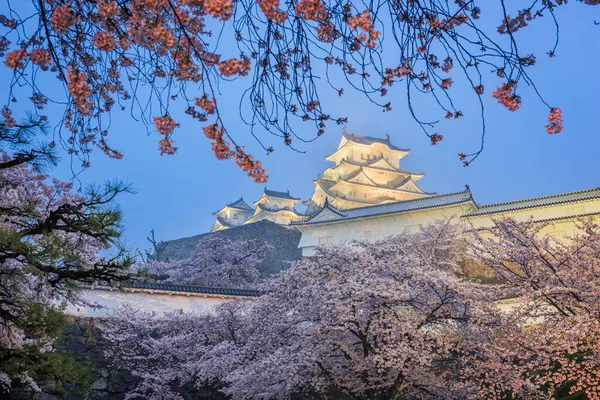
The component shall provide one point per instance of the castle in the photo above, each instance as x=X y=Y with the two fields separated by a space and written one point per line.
x=367 y=195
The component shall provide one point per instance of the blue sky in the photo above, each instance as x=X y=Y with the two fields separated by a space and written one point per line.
x=176 y=195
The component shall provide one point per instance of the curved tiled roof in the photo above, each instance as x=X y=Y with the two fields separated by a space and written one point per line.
x=368 y=140
x=369 y=164
x=263 y=208
x=240 y=204
x=175 y=287
x=537 y=202
x=396 y=207
x=335 y=196
x=224 y=222
x=393 y=189
x=281 y=195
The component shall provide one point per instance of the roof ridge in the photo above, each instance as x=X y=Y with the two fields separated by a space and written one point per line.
x=183 y=286
x=387 y=141
x=538 y=198
x=349 y=215
x=415 y=200
x=370 y=165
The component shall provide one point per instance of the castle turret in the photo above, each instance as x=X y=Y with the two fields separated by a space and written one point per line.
x=277 y=207
x=233 y=214
x=366 y=172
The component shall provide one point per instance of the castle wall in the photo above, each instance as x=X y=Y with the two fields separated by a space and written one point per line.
x=143 y=301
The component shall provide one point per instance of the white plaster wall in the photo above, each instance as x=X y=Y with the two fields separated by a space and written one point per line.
x=380 y=227
x=147 y=302
x=544 y=213
x=385 y=226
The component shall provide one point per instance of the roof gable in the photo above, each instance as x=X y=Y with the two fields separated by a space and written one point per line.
x=240 y=204
x=360 y=176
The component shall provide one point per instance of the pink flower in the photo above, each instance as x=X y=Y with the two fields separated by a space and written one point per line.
x=222 y=9
x=555 y=121
x=270 y=9
x=80 y=91
x=41 y=57
x=104 y=41
x=14 y=59
x=506 y=96
x=62 y=18
x=9 y=121
x=108 y=9
x=235 y=67
x=165 y=125
x=446 y=83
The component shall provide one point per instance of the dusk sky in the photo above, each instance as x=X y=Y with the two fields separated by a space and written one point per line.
x=176 y=195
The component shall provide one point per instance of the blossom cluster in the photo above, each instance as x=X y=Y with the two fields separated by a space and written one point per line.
x=506 y=96
x=80 y=90
x=234 y=66
x=165 y=126
x=555 y=121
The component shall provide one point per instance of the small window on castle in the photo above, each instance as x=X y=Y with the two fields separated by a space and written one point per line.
x=368 y=156
x=235 y=216
x=365 y=195
x=362 y=156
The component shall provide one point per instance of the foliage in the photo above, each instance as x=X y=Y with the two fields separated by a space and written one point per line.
x=392 y=319
x=376 y=320
x=51 y=241
x=217 y=261
x=38 y=361
x=151 y=56
x=549 y=345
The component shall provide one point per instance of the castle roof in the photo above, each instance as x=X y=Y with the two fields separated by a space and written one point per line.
x=264 y=208
x=240 y=204
x=175 y=287
x=224 y=222
x=388 y=208
x=369 y=140
x=535 y=202
x=282 y=195
x=341 y=182
x=372 y=164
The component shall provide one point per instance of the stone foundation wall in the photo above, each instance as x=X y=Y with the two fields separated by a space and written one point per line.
x=83 y=339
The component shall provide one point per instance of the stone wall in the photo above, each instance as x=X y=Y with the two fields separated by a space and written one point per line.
x=284 y=241
x=83 y=339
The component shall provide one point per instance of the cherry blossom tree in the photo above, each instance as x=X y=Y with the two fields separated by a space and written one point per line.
x=155 y=57
x=549 y=345
x=51 y=241
x=172 y=350
x=377 y=320
x=217 y=261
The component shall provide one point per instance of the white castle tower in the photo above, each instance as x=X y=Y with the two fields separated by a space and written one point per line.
x=278 y=207
x=366 y=172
